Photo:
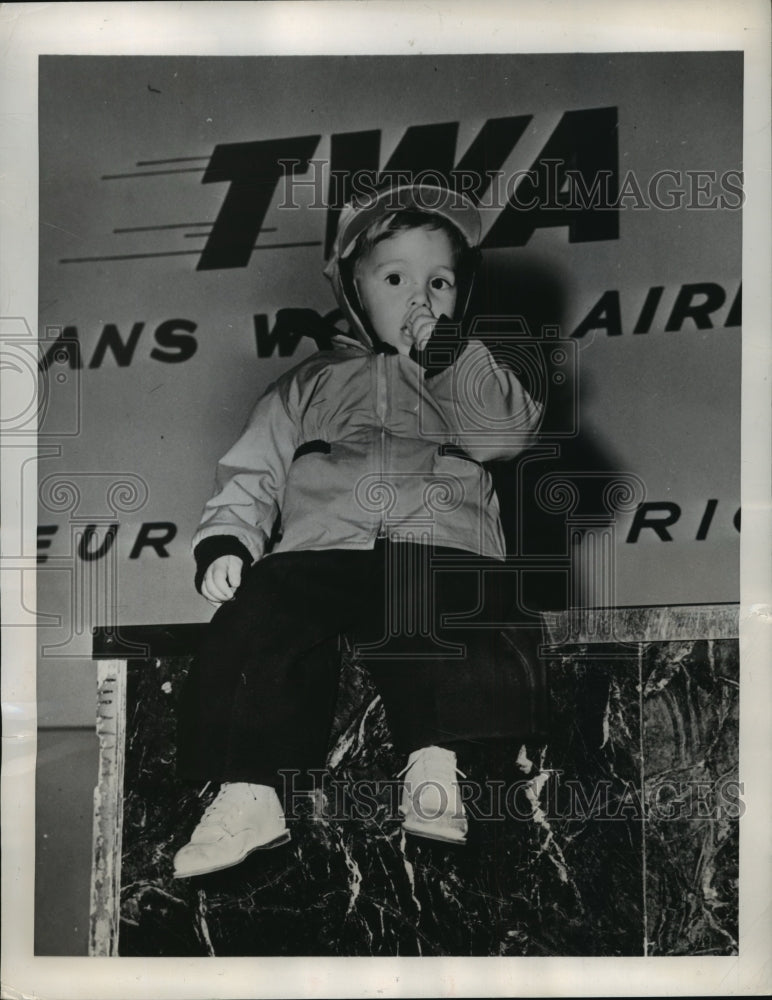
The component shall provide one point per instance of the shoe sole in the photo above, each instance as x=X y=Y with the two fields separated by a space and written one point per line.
x=428 y=834
x=277 y=842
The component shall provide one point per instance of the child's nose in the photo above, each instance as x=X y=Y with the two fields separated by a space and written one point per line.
x=420 y=296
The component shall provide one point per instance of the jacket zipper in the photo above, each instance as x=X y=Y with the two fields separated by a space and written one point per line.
x=381 y=402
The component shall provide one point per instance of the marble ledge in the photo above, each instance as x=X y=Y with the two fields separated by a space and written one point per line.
x=576 y=863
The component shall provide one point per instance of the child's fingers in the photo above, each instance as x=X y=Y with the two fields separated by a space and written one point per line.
x=222 y=579
x=207 y=593
x=420 y=323
x=221 y=588
x=216 y=583
x=234 y=573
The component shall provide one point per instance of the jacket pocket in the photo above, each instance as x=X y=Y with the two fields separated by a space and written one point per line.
x=477 y=480
x=317 y=446
x=456 y=451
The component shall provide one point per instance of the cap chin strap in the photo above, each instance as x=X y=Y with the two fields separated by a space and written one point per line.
x=354 y=303
x=469 y=265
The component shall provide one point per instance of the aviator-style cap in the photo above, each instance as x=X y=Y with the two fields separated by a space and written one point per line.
x=457 y=208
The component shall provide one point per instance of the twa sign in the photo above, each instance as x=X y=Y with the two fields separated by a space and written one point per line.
x=573 y=181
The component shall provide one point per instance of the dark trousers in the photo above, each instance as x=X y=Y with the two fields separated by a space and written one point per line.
x=261 y=693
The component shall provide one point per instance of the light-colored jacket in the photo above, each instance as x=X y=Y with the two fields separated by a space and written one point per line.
x=353 y=444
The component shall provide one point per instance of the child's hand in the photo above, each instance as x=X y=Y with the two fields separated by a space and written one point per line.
x=222 y=579
x=419 y=323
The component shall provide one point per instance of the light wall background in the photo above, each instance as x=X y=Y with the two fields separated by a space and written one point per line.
x=664 y=406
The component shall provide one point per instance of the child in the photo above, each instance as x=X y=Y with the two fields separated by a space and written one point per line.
x=369 y=455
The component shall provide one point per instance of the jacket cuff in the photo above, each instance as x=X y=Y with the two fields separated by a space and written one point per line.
x=442 y=349
x=214 y=546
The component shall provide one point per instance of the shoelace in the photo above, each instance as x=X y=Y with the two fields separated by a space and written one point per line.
x=217 y=807
x=214 y=807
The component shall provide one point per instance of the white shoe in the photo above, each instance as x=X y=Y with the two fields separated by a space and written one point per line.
x=240 y=819
x=431 y=800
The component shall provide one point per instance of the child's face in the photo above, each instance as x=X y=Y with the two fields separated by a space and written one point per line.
x=405 y=284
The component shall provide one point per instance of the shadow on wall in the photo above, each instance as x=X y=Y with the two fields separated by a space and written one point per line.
x=555 y=491
x=560 y=486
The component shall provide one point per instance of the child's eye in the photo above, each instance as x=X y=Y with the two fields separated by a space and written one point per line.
x=394 y=279
x=440 y=284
